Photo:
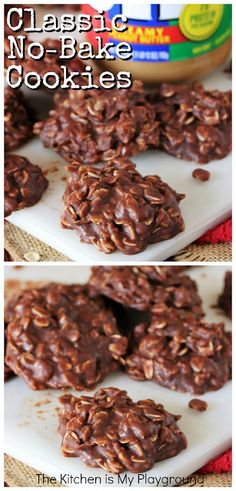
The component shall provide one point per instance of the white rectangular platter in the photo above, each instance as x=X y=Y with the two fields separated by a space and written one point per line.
x=31 y=421
x=206 y=204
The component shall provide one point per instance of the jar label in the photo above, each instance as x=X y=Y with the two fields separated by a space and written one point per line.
x=200 y=21
x=165 y=33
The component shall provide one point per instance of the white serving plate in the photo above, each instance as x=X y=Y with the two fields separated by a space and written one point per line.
x=205 y=205
x=30 y=417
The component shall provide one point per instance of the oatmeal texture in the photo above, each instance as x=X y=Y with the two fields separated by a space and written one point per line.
x=115 y=208
x=195 y=124
x=89 y=126
x=111 y=431
x=58 y=337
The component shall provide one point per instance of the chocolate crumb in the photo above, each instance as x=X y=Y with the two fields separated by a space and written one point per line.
x=201 y=174
x=198 y=405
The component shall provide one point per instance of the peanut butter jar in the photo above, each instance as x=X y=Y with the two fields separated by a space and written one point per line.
x=169 y=42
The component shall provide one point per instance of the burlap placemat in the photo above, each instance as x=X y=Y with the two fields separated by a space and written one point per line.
x=21 y=245
x=223 y=480
x=206 y=252
x=17 y=474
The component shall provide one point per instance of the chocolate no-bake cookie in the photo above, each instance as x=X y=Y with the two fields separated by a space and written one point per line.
x=123 y=284
x=18 y=119
x=178 y=291
x=24 y=183
x=180 y=352
x=58 y=337
x=225 y=299
x=147 y=287
x=50 y=62
x=195 y=124
x=111 y=431
x=100 y=125
x=116 y=208
x=12 y=287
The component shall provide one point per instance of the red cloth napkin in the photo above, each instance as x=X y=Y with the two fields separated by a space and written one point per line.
x=221 y=233
x=223 y=463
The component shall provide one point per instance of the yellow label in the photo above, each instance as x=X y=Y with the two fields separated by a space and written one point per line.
x=199 y=21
